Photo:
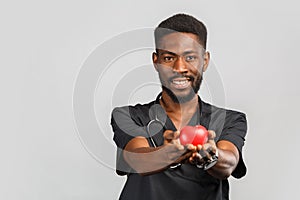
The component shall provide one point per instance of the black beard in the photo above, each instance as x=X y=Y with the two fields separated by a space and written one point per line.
x=190 y=96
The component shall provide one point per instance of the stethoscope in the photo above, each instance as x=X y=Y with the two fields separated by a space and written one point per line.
x=156 y=122
x=155 y=125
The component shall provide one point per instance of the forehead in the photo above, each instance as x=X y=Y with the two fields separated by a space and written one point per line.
x=179 y=43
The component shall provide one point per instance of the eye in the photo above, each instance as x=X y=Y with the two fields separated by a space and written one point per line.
x=190 y=58
x=168 y=58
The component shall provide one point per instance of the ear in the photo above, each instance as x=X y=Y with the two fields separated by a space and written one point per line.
x=206 y=60
x=155 y=60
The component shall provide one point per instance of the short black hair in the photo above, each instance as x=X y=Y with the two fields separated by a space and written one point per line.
x=181 y=23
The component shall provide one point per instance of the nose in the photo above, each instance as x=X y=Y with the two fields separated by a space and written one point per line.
x=180 y=65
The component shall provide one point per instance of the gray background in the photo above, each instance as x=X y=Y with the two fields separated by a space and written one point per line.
x=44 y=45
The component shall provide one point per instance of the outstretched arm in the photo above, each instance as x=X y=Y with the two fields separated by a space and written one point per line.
x=148 y=160
x=228 y=156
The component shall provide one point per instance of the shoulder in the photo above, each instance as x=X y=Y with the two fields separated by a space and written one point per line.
x=128 y=122
x=138 y=112
x=224 y=120
x=217 y=112
x=137 y=108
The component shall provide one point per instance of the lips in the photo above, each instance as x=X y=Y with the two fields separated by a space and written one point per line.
x=180 y=82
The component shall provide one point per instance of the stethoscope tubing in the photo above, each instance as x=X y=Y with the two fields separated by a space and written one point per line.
x=156 y=119
x=207 y=165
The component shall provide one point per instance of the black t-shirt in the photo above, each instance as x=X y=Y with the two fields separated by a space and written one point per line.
x=186 y=181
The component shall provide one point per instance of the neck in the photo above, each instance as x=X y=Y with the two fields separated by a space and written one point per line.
x=174 y=107
x=179 y=113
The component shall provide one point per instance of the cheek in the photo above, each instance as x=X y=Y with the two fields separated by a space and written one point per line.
x=163 y=74
x=164 y=70
x=196 y=71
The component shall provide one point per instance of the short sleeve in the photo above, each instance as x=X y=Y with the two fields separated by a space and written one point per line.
x=234 y=131
x=125 y=128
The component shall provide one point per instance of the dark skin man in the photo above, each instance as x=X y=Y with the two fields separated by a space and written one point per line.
x=180 y=62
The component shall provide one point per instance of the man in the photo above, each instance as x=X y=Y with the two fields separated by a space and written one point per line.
x=147 y=136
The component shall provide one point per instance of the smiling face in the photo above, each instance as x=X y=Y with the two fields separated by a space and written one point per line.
x=180 y=61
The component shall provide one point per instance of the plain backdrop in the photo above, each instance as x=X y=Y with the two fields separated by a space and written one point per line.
x=44 y=45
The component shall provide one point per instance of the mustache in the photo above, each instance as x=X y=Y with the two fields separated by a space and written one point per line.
x=189 y=77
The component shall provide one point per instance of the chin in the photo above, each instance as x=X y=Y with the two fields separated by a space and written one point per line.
x=180 y=96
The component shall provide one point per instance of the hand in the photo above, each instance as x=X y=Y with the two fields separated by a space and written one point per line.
x=206 y=151
x=176 y=152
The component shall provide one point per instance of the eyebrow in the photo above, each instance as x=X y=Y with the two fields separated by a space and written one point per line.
x=190 y=52
x=174 y=54
x=162 y=52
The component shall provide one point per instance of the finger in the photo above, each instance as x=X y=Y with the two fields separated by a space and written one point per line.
x=175 y=139
x=210 y=146
x=169 y=135
x=191 y=160
x=211 y=134
x=191 y=147
x=199 y=147
x=211 y=142
x=185 y=156
x=197 y=159
x=176 y=135
x=179 y=147
x=197 y=156
x=210 y=150
x=202 y=154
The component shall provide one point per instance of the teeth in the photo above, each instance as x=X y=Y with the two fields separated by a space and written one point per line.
x=180 y=82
